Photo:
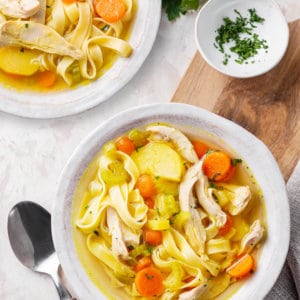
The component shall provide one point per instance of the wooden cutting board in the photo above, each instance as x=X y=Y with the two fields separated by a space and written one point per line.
x=267 y=105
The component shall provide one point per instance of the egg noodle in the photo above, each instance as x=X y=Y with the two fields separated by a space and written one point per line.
x=70 y=39
x=194 y=256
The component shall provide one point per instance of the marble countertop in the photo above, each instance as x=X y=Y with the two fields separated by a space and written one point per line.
x=33 y=152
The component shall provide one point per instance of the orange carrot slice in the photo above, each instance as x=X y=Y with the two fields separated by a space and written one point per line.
x=226 y=227
x=125 y=145
x=241 y=267
x=110 y=10
x=69 y=1
x=46 y=79
x=146 y=186
x=150 y=202
x=149 y=282
x=142 y=263
x=153 y=237
x=200 y=148
x=216 y=165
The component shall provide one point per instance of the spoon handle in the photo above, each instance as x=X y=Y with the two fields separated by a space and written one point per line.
x=62 y=291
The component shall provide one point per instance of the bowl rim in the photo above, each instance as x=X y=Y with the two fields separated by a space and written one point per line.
x=73 y=101
x=274 y=191
x=231 y=74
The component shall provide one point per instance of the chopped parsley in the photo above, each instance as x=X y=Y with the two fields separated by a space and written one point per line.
x=149 y=277
x=246 y=43
x=235 y=161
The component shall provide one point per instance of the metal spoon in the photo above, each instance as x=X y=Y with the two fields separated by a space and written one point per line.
x=29 y=231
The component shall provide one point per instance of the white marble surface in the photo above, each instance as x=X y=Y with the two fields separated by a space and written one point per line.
x=33 y=152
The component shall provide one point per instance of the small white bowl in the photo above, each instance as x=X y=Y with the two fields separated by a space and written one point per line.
x=191 y=119
x=274 y=30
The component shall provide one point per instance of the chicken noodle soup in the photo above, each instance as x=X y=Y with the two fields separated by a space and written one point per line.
x=160 y=213
x=60 y=43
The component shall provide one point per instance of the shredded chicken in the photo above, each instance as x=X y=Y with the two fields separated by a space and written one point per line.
x=182 y=143
x=193 y=228
x=242 y=196
x=36 y=36
x=206 y=200
x=193 y=294
x=251 y=239
x=130 y=238
x=114 y=225
x=40 y=16
x=19 y=8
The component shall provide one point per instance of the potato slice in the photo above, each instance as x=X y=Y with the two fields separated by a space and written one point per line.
x=16 y=60
x=159 y=159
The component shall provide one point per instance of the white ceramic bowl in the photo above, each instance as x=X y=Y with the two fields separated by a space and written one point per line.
x=72 y=101
x=274 y=30
x=189 y=118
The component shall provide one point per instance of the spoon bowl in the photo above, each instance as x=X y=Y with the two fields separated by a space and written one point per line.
x=29 y=232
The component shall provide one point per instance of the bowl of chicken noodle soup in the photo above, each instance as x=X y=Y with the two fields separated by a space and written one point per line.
x=173 y=202
x=60 y=57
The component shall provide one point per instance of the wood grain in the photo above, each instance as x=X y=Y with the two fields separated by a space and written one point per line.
x=268 y=105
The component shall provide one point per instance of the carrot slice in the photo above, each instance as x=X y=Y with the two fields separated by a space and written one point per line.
x=226 y=227
x=200 y=148
x=153 y=237
x=110 y=10
x=230 y=174
x=150 y=202
x=125 y=145
x=46 y=79
x=146 y=186
x=241 y=267
x=142 y=263
x=216 y=165
x=69 y=1
x=149 y=282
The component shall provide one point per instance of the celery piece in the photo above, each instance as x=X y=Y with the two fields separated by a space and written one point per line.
x=180 y=219
x=138 y=137
x=166 y=205
x=160 y=224
x=142 y=249
x=109 y=147
x=116 y=174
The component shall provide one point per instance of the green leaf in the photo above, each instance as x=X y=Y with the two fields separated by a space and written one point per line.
x=172 y=8
x=187 y=5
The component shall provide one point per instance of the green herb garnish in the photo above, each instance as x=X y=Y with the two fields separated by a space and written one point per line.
x=235 y=161
x=174 y=8
x=240 y=32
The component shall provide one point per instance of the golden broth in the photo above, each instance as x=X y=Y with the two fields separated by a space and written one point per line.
x=94 y=267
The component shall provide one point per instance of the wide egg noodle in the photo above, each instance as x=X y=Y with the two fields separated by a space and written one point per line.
x=56 y=17
x=78 y=24
x=177 y=246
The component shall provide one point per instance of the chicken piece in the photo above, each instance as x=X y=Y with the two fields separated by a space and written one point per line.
x=206 y=200
x=193 y=294
x=130 y=238
x=19 y=8
x=36 y=36
x=251 y=239
x=40 y=16
x=193 y=228
x=182 y=143
x=242 y=196
x=117 y=241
